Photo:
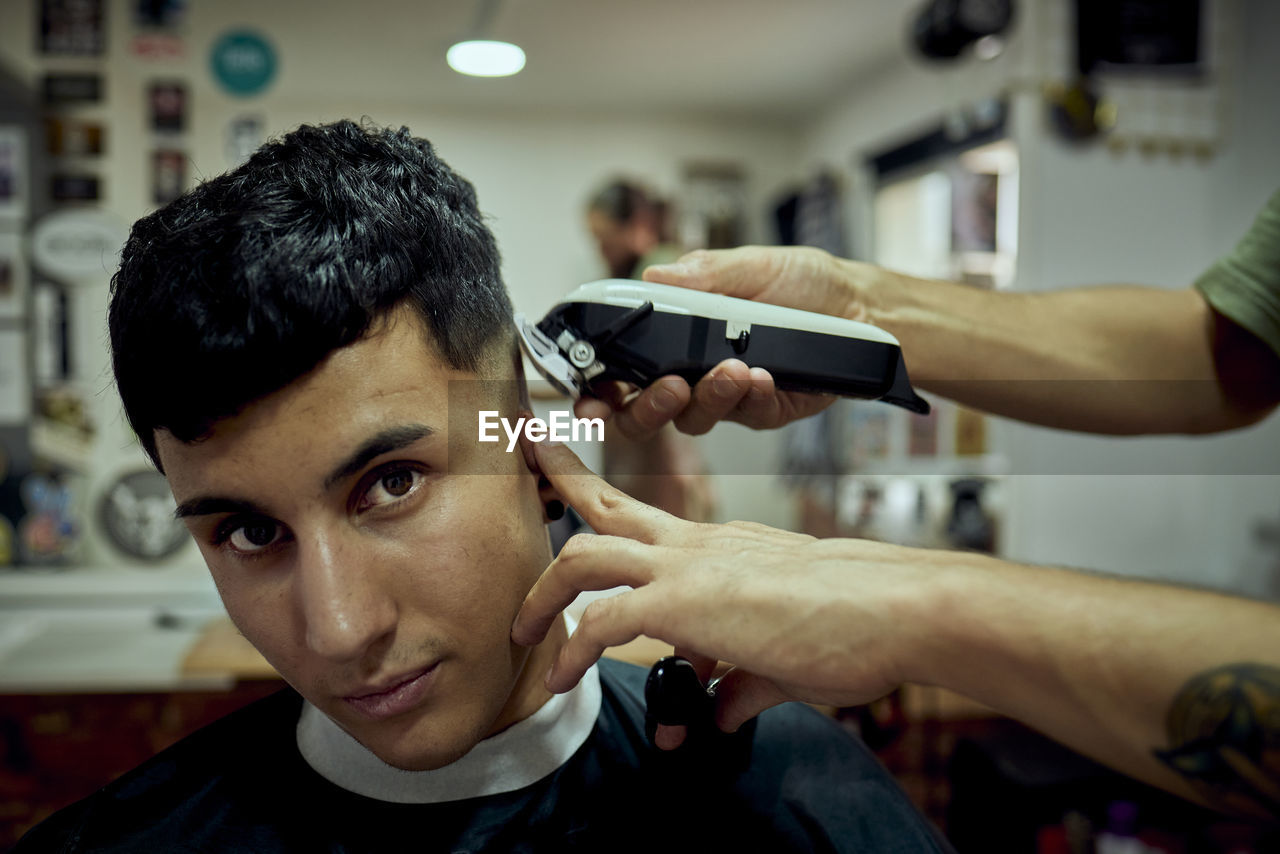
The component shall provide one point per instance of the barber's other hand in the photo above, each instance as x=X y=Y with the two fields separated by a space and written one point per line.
x=795 y=277
x=800 y=618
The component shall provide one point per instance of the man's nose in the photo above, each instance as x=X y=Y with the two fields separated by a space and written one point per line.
x=345 y=605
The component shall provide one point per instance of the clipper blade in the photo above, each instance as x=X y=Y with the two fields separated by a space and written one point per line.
x=546 y=357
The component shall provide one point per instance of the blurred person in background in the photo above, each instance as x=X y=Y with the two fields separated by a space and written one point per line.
x=631 y=228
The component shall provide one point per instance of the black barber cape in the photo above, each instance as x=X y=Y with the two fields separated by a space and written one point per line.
x=800 y=783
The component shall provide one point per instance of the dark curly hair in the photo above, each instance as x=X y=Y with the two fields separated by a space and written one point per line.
x=247 y=282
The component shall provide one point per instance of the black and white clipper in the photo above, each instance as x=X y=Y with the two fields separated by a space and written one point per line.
x=620 y=329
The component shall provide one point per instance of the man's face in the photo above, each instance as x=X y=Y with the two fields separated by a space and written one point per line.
x=617 y=242
x=379 y=584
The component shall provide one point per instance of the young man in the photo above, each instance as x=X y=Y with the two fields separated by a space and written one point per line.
x=303 y=347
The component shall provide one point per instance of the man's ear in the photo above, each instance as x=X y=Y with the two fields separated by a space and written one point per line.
x=552 y=504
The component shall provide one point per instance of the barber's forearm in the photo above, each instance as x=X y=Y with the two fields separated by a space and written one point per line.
x=1112 y=359
x=1099 y=663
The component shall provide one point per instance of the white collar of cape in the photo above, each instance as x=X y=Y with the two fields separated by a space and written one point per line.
x=519 y=756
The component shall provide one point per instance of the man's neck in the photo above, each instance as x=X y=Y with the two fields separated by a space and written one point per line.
x=529 y=692
x=525 y=752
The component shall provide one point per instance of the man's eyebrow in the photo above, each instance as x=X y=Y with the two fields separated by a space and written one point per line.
x=391 y=439
x=207 y=506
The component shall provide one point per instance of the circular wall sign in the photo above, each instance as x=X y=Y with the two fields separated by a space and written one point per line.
x=243 y=62
x=78 y=245
x=137 y=512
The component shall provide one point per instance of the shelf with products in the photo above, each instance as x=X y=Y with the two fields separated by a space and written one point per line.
x=921 y=480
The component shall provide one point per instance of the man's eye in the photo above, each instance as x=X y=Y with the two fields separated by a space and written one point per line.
x=390 y=486
x=250 y=536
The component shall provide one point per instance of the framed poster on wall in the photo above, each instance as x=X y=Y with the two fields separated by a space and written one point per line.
x=14 y=176
x=71 y=28
x=15 y=382
x=62 y=89
x=73 y=138
x=14 y=276
x=168 y=175
x=168 y=103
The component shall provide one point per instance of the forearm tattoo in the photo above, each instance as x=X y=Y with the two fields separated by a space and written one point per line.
x=1224 y=736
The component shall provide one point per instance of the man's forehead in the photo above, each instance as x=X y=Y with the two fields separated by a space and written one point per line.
x=496 y=362
x=392 y=375
x=237 y=456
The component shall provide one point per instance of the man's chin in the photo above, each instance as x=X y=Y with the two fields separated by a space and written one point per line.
x=413 y=751
x=412 y=761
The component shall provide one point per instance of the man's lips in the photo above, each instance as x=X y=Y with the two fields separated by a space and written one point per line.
x=394 y=697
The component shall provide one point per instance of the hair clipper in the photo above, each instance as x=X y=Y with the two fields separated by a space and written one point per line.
x=636 y=332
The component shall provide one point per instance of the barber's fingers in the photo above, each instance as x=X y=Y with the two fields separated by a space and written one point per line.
x=605 y=508
x=761 y=407
x=748 y=396
x=730 y=391
x=671 y=737
x=604 y=399
x=653 y=408
x=703 y=665
x=607 y=622
x=593 y=407
x=735 y=272
x=585 y=562
x=638 y=413
x=781 y=408
x=740 y=696
x=715 y=396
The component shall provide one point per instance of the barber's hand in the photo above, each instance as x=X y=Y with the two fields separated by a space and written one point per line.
x=795 y=277
x=800 y=618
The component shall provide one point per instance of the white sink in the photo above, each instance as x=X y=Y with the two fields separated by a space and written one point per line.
x=81 y=639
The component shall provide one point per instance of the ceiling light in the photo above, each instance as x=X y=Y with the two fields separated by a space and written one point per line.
x=483 y=58
x=988 y=47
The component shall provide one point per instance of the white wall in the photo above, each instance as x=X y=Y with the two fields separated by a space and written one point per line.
x=533 y=172
x=1085 y=216
x=1174 y=508
x=1098 y=218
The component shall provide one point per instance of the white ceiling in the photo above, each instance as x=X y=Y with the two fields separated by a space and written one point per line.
x=776 y=59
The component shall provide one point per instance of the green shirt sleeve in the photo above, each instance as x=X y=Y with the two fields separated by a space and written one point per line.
x=1244 y=286
x=663 y=253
